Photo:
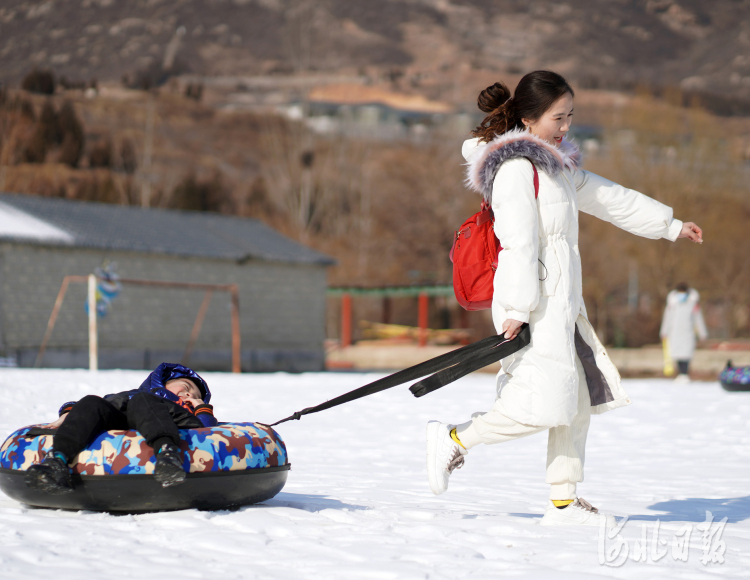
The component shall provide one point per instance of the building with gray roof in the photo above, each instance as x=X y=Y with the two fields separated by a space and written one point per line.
x=281 y=283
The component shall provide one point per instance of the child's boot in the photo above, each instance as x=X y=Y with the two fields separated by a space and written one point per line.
x=168 y=469
x=50 y=476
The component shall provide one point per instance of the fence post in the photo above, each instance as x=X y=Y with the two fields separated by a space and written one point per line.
x=423 y=317
x=93 y=342
x=234 y=291
x=346 y=320
x=386 y=309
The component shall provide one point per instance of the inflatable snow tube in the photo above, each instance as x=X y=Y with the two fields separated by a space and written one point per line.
x=735 y=378
x=230 y=465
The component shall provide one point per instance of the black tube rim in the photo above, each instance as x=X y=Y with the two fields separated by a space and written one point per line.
x=197 y=475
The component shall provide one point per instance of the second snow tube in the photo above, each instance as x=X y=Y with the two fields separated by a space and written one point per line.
x=229 y=465
x=735 y=378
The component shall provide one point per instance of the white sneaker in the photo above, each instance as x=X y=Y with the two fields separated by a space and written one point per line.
x=443 y=455
x=682 y=379
x=579 y=513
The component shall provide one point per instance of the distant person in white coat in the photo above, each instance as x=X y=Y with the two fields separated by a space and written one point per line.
x=682 y=320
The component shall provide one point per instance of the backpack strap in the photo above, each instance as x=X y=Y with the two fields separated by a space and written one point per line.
x=486 y=206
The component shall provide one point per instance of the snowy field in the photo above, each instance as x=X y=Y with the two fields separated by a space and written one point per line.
x=357 y=503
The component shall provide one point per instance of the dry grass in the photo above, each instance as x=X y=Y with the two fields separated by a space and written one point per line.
x=387 y=210
x=693 y=162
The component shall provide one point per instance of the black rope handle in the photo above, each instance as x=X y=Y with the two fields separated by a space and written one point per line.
x=447 y=368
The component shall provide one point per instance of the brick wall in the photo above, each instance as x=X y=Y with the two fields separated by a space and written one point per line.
x=282 y=306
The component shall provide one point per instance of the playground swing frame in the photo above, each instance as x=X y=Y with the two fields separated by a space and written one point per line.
x=233 y=290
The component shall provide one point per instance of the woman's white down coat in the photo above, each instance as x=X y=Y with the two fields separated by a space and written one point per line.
x=538 y=278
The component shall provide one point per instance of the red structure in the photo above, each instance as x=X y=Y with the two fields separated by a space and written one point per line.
x=423 y=294
x=346 y=320
x=423 y=317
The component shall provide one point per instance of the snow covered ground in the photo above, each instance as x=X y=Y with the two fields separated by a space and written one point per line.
x=357 y=503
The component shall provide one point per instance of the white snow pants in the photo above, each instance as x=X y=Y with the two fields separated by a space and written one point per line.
x=566 y=445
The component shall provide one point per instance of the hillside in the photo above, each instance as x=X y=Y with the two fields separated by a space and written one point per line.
x=390 y=89
x=423 y=45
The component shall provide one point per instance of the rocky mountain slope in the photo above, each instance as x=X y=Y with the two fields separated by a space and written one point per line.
x=422 y=45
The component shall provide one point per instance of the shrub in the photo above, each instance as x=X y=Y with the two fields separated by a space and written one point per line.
x=49 y=125
x=145 y=78
x=73 y=137
x=128 y=158
x=203 y=195
x=39 y=81
x=46 y=135
x=194 y=91
x=35 y=149
x=101 y=154
x=26 y=108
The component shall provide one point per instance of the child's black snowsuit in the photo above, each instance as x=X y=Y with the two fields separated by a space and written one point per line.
x=151 y=410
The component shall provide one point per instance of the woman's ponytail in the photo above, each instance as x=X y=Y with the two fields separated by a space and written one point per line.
x=493 y=97
x=497 y=102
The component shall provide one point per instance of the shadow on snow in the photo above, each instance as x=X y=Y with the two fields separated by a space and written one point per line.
x=735 y=509
x=308 y=502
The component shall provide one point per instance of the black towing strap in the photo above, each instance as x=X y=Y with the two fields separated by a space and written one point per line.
x=447 y=368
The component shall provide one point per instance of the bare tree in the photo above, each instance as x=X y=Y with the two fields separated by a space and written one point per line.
x=299 y=33
x=314 y=182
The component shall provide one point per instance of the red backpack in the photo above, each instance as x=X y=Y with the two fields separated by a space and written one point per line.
x=474 y=255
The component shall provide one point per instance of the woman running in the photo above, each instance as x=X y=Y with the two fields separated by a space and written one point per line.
x=564 y=375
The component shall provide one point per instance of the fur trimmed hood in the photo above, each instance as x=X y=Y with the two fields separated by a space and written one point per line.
x=483 y=160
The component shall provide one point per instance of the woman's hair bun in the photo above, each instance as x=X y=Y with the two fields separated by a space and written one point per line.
x=492 y=97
